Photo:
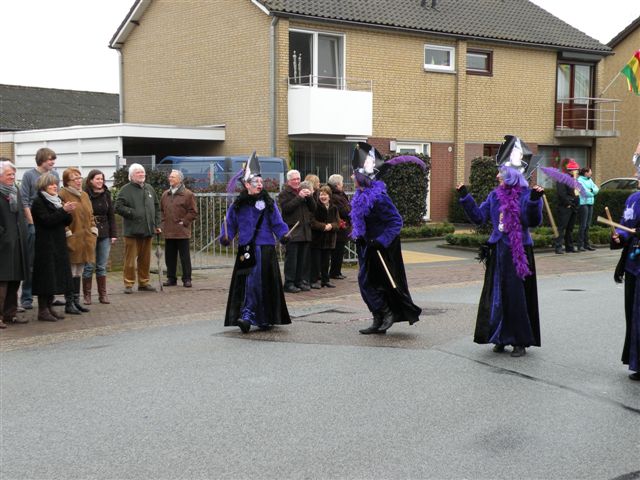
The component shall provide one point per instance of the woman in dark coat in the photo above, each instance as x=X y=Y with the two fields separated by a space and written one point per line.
x=376 y=230
x=508 y=310
x=324 y=226
x=343 y=204
x=51 y=266
x=103 y=213
x=13 y=244
x=256 y=295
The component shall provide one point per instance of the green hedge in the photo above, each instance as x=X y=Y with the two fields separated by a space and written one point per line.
x=542 y=237
x=407 y=185
x=427 y=230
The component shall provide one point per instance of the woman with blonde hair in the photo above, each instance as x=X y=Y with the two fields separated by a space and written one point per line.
x=81 y=234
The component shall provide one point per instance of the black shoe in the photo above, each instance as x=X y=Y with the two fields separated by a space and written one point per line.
x=559 y=251
x=387 y=319
x=338 y=277
x=570 y=250
x=498 y=348
x=635 y=376
x=518 y=351
x=169 y=283
x=80 y=307
x=187 y=283
x=315 y=286
x=580 y=249
x=71 y=309
x=146 y=288
x=590 y=248
x=27 y=306
x=292 y=289
x=244 y=325
x=329 y=285
x=305 y=287
x=58 y=303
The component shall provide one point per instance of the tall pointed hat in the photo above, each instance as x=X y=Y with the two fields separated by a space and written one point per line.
x=366 y=160
x=252 y=168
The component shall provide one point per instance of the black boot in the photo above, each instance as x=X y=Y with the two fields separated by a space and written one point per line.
x=76 y=295
x=375 y=326
x=387 y=319
x=69 y=306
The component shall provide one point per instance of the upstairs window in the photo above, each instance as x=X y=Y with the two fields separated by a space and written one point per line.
x=316 y=59
x=479 y=62
x=439 y=58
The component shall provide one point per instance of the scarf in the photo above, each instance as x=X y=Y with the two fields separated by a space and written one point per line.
x=177 y=189
x=73 y=191
x=362 y=203
x=509 y=199
x=11 y=192
x=55 y=200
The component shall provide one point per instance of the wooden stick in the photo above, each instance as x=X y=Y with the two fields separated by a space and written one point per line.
x=292 y=229
x=393 y=284
x=614 y=224
x=225 y=229
x=550 y=215
x=613 y=229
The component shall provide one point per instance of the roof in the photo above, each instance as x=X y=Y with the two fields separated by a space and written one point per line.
x=29 y=108
x=513 y=21
x=613 y=43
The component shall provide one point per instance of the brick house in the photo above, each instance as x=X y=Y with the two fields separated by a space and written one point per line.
x=616 y=152
x=305 y=80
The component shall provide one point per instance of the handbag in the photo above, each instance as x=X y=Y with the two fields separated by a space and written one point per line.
x=246 y=254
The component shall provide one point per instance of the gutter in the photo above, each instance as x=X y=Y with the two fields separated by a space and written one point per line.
x=121 y=85
x=273 y=83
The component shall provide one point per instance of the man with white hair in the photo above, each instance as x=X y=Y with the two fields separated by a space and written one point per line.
x=138 y=205
x=178 y=208
x=14 y=266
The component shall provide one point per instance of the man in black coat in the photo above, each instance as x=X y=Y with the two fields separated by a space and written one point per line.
x=568 y=203
x=13 y=244
x=297 y=205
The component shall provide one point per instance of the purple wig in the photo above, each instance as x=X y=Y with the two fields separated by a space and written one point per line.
x=512 y=177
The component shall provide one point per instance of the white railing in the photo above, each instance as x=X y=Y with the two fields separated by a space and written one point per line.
x=587 y=113
x=339 y=83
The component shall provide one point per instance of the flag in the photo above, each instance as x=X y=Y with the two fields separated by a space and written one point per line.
x=632 y=71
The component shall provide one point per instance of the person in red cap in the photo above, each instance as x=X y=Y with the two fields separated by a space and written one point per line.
x=568 y=203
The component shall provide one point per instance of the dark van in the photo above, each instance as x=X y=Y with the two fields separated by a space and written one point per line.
x=209 y=170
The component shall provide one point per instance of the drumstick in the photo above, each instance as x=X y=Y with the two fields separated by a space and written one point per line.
x=614 y=224
x=550 y=215
x=613 y=229
x=292 y=229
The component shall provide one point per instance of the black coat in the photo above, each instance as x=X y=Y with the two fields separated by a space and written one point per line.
x=51 y=267
x=295 y=208
x=103 y=212
x=342 y=202
x=13 y=242
x=325 y=240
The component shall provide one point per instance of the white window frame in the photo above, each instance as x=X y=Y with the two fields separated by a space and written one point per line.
x=424 y=148
x=314 y=66
x=440 y=68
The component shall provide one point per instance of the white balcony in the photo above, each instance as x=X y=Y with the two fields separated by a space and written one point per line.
x=586 y=117
x=330 y=106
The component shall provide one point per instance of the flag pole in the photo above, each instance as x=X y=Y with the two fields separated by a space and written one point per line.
x=610 y=83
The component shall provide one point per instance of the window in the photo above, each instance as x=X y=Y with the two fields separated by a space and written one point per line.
x=439 y=58
x=413 y=148
x=316 y=59
x=573 y=83
x=479 y=62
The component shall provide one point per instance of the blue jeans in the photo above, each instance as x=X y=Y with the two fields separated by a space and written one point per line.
x=26 y=297
x=103 y=247
x=585 y=217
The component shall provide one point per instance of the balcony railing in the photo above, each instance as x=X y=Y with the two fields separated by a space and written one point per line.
x=340 y=83
x=586 y=117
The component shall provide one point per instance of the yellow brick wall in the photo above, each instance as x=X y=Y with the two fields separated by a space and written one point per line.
x=188 y=63
x=614 y=154
x=6 y=150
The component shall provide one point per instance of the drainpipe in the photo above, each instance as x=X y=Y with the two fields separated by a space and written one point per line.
x=121 y=85
x=273 y=84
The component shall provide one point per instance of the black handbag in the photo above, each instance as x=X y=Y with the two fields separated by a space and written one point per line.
x=246 y=254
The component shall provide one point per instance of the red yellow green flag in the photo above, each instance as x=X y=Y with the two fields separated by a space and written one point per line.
x=632 y=71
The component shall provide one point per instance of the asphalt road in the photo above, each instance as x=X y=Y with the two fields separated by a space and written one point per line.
x=317 y=400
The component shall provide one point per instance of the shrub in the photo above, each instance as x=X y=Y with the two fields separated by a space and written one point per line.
x=407 y=185
x=482 y=180
x=427 y=230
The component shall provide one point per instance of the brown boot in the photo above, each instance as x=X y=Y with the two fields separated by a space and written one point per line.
x=86 y=290
x=44 y=315
x=58 y=316
x=102 y=289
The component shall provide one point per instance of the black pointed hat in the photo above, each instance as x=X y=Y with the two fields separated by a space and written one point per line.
x=513 y=153
x=366 y=160
x=252 y=168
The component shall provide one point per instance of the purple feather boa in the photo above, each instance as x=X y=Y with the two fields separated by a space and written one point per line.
x=565 y=178
x=406 y=159
x=509 y=199
x=361 y=204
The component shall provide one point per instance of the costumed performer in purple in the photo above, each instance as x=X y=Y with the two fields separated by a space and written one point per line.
x=628 y=269
x=508 y=309
x=376 y=230
x=256 y=296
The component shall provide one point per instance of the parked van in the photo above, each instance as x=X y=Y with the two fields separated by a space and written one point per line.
x=209 y=170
